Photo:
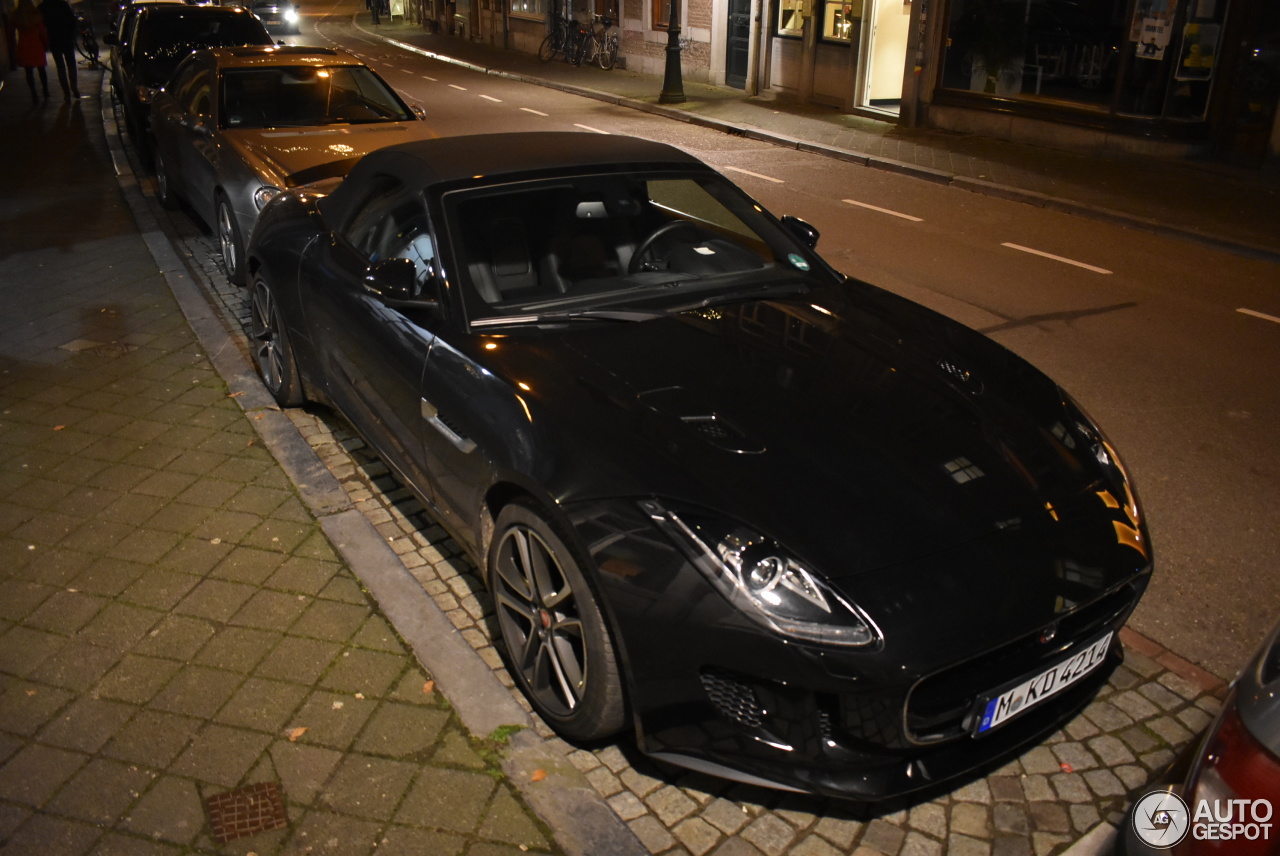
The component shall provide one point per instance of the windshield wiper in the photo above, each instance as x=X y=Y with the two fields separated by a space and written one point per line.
x=776 y=289
x=628 y=315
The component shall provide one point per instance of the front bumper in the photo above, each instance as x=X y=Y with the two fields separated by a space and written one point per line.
x=713 y=691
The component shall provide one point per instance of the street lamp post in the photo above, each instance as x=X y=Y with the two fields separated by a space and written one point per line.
x=672 y=82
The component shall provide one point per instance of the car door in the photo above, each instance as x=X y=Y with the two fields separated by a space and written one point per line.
x=182 y=121
x=372 y=354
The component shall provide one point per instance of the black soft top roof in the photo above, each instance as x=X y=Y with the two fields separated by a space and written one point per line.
x=448 y=159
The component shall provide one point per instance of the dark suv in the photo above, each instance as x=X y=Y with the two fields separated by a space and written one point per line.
x=162 y=35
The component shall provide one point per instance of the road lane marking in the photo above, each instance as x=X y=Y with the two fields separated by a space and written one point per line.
x=1264 y=316
x=457 y=87
x=888 y=211
x=1062 y=259
x=491 y=98
x=589 y=128
x=429 y=77
x=534 y=112
x=407 y=70
x=756 y=175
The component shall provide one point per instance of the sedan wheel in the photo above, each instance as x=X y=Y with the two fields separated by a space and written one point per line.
x=164 y=187
x=557 y=645
x=271 y=347
x=230 y=243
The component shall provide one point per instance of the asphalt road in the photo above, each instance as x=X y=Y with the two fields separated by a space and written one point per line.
x=1170 y=345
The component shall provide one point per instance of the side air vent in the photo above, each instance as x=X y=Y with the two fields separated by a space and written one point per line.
x=733 y=699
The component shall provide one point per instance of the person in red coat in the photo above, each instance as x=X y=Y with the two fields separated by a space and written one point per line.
x=31 y=42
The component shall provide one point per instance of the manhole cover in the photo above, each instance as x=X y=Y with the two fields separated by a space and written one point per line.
x=246 y=811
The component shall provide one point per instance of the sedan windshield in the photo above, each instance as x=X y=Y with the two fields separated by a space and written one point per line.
x=287 y=96
x=567 y=248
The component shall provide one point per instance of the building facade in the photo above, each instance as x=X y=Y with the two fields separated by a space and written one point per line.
x=1166 y=77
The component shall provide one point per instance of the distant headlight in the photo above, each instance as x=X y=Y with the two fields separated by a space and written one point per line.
x=265 y=194
x=291 y=15
x=757 y=575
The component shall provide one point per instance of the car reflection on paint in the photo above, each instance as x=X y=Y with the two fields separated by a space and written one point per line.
x=235 y=126
x=789 y=528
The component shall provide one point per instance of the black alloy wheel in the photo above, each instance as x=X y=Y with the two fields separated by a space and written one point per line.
x=271 y=348
x=230 y=243
x=557 y=646
x=164 y=185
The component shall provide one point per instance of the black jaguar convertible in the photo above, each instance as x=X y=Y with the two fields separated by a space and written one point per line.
x=788 y=527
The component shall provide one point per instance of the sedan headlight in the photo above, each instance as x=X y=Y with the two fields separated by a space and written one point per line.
x=759 y=576
x=291 y=15
x=265 y=194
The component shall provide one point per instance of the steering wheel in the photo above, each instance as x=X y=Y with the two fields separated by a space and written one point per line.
x=647 y=243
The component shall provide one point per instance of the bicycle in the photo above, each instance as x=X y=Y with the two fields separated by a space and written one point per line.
x=602 y=45
x=557 y=39
x=86 y=41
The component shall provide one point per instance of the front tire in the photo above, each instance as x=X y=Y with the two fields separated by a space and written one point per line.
x=547 y=49
x=557 y=645
x=230 y=242
x=271 y=348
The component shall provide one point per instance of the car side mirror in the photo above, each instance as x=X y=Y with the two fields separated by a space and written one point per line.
x=801 y=231
x=395 y=283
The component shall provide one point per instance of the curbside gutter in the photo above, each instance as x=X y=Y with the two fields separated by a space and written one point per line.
x=582 y=822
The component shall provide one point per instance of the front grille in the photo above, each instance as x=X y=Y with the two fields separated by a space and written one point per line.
x=733 y=699
x=939 y=705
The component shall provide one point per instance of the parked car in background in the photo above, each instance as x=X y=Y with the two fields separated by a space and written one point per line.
x=159 y=38
x=279 y=15
x=790 y=528
x=235 y=126
x=119 y=35
x=1230 y=787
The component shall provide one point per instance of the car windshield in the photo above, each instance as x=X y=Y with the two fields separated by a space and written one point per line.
x=306 y=95
x=168 y=38
x=618 y=246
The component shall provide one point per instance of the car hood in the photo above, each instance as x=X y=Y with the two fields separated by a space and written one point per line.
x=306 y=154
x=857 y=428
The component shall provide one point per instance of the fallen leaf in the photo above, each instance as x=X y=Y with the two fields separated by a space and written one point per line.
x=359 y=695
x=337 y=705
x=250 y=443
x=235 y=395
x=538 y=775
x=58 y=427
x=295 y=733
x=428 y=687
x=31 y=692
x=1066 y=768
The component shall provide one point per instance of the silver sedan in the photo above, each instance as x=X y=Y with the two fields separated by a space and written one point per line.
x=235 y=126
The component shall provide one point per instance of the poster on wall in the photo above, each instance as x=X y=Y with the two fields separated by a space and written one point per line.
x=1199 y=50
x=1153 y=38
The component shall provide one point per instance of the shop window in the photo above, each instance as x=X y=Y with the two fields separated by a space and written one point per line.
x=840 y=20
x=1141 y=58
x=791 y=18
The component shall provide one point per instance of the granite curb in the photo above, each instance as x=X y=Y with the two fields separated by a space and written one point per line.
x=960 y=182
x=583 y=823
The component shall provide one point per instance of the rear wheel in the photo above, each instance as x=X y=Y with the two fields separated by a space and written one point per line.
x=609 y=56
x=230 y=243
x=271 y=348
x=557 y=645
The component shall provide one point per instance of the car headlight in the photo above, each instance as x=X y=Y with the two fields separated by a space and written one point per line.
x=760 y=577
x=265 y=194
x=291 y=15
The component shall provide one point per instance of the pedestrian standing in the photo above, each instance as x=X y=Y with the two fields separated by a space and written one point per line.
x=62 y=26
x=31 y=42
